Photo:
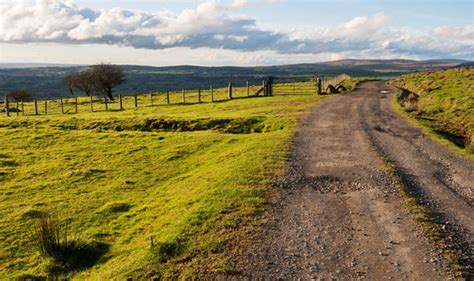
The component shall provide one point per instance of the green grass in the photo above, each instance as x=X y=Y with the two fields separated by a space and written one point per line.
x=190 y=178
x=446 y=106
x=351 y=84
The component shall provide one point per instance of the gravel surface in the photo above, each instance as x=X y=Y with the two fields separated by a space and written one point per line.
x=339 y=215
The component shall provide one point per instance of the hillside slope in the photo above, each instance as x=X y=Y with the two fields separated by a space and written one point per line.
x=443 y=101
x=47 y=82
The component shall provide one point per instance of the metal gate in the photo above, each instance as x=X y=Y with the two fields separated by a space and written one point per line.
x=293 y=86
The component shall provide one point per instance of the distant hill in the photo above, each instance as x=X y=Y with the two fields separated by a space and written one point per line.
x=33 y=65
x=47 y=82
x=399 y=64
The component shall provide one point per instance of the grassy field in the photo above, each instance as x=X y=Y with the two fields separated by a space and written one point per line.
x=442 y=102
x=154 y=191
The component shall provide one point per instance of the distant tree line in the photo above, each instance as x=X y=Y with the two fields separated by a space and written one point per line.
x=99 y=79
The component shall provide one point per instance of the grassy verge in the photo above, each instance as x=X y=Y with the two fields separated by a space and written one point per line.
x=163 y=189
x=442 y=103
x=427 y=128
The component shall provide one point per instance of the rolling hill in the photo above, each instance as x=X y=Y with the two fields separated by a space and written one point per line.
x=47 y=82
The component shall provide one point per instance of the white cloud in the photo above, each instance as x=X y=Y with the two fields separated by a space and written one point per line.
x=238 y=4
x=461 y=33
x=358 y=28
x=214 y=25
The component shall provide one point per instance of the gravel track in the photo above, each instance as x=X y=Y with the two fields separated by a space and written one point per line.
x=338 y=214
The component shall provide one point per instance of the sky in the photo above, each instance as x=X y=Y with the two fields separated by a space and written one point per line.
x=233 y=32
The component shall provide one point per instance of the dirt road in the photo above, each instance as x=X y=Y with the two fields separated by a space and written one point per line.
x=340 y=215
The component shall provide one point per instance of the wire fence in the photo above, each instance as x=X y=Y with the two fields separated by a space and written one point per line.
x=269 y=86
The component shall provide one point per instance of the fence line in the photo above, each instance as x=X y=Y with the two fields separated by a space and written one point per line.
x=269 y=87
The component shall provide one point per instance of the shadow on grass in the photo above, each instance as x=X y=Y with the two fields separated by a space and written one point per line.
x=77 y=256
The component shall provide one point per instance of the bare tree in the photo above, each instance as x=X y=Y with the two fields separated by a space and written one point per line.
x=20 y=95
x=83 y=81
x=106 y=78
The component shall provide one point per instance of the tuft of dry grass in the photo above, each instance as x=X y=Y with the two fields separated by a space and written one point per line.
x=68 y=252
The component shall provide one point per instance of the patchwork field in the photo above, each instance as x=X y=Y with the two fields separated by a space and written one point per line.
x=147 y=192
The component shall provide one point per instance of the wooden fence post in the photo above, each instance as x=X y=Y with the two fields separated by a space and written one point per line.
x=7 y=109
x=212 y=93
x=36 y=107
x=248 y=88
x=22 y=107
x=136 y=100
x=167 y=97
x=199 y=95
x=270 y=86
x=45 y=107
x=318 y=86
x=183 y=93
x=151 y=98
x=91 y=104
x=230 y=90
x=17 y=108
x=120 y=102
x=75 y=105
x=106 y=104
x=264 y=87
x=62 y=106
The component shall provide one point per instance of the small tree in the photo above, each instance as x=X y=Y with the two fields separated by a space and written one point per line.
x=83 y=81
x=106 y=78
x=20 y=95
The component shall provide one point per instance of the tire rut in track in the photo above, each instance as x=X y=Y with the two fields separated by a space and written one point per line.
x=437 y=178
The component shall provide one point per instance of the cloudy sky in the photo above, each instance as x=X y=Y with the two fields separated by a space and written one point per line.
x=233 y=32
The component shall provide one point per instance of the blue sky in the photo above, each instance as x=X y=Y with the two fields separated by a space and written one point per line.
x=233 y=32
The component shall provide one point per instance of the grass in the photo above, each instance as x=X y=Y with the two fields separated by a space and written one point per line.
x=351 y=84
x=166 y=188
x=444 y=106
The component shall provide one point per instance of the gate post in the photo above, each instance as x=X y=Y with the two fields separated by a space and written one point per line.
x=318 y=86
x=6 y=106
x=270 y=86
x=230 y=90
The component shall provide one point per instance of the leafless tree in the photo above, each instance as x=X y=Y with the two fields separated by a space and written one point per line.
x=20 y=95
x=83 y=81
x=106 y=78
